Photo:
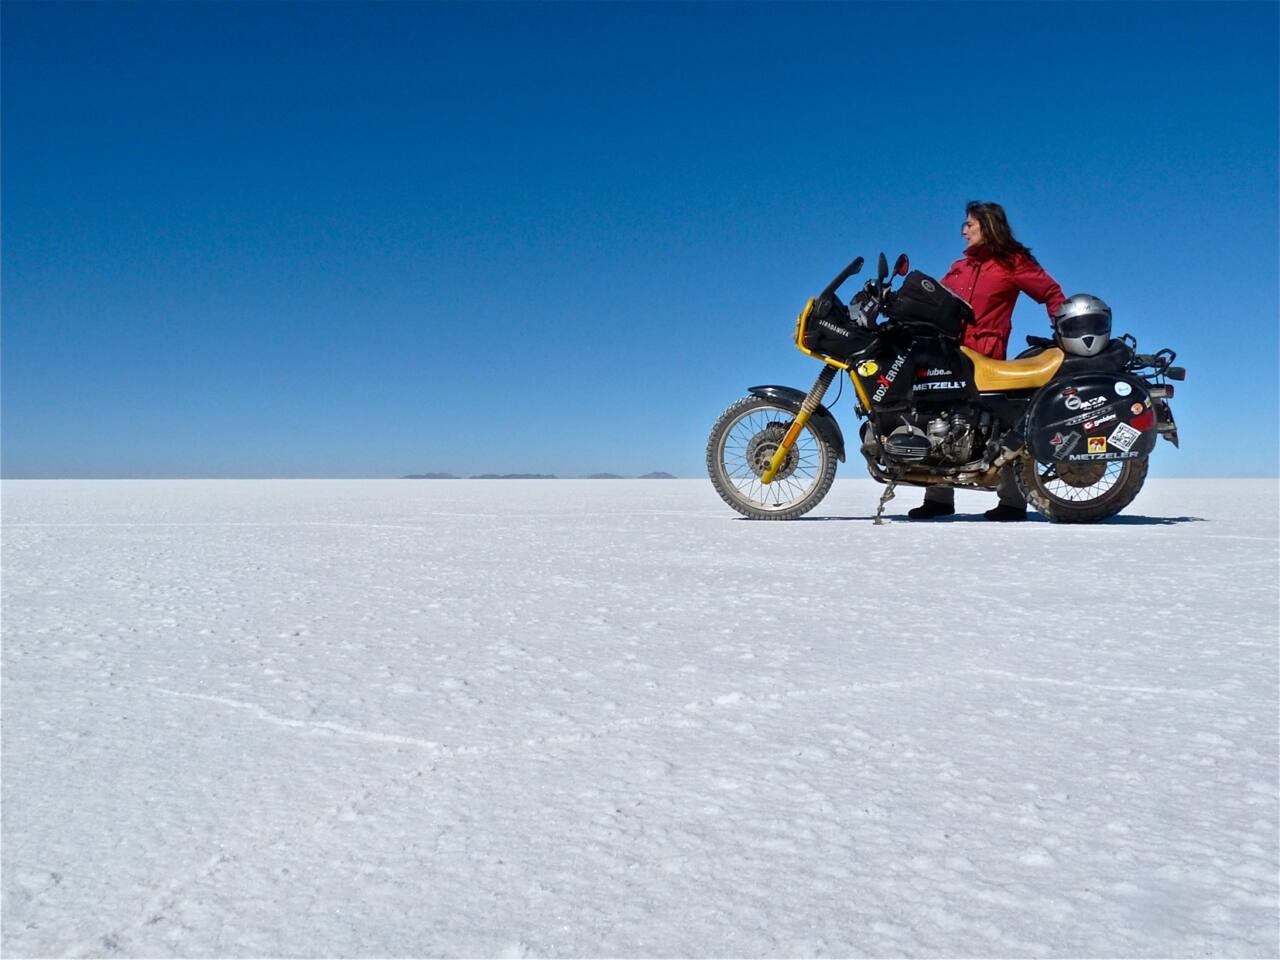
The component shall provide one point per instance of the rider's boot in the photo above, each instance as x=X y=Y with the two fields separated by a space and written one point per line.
x=938 y=502
x=1006 y=514
x=1012 y=507
x=930 y=509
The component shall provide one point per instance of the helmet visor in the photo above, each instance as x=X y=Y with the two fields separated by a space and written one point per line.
x=1087 y=325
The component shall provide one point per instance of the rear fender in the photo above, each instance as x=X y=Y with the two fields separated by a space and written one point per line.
x=1092 y=416
x=1164 y=421
x=822 y=422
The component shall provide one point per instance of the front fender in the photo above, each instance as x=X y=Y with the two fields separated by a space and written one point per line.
x=822 y=422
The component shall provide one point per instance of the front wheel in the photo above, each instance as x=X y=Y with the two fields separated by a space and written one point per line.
x=1083 y=492
x=740 y=448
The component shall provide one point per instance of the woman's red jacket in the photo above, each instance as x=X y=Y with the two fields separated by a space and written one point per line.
x=992 y=286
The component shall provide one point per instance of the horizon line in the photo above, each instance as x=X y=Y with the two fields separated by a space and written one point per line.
x=1250 y=476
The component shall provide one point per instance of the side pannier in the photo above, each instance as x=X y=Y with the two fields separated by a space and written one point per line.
x=930 y=309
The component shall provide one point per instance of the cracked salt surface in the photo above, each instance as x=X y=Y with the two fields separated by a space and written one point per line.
x=601 y=719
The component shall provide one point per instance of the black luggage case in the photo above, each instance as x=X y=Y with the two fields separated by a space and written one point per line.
x=929 y=308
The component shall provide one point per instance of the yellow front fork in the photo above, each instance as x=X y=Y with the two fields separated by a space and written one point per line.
x=807 y=408
x=784 y=448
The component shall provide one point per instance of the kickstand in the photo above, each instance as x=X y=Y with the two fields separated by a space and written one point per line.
x=884 y=498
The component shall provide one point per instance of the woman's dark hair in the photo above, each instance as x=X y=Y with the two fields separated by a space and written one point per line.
x=996 y=232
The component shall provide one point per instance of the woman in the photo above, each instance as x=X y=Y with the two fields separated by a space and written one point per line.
x=995 y=268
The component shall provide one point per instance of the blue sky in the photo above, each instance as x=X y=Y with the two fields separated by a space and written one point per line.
x=368 y=240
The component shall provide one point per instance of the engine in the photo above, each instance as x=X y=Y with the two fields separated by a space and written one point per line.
x=942 y=437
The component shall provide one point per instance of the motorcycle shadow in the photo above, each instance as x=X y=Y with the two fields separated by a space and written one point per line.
x=1140 y=521
x=903 y=518
x=1117 y=521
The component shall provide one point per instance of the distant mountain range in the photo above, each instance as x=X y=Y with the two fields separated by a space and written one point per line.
x=532 y=476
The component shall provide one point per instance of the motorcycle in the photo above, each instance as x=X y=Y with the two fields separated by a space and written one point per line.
x=1077 y=430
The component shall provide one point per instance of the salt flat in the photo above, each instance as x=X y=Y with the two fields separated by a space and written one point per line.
x=608 y=718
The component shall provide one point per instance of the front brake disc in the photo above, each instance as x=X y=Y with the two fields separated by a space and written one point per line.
x=762 y=447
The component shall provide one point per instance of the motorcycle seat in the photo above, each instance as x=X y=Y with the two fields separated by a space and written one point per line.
x=1026 y=374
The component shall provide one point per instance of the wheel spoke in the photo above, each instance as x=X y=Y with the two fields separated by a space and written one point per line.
x=1058 y=485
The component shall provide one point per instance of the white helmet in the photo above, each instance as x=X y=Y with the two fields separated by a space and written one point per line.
x=1083 y=324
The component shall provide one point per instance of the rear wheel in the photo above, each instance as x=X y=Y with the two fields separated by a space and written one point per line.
x=740 y=448
x=1081 y=492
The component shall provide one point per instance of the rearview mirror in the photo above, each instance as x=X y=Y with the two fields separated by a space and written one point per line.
x=882 y=269
x=901 y=265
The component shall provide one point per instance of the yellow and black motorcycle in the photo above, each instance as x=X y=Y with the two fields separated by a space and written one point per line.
x=1077 y=424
